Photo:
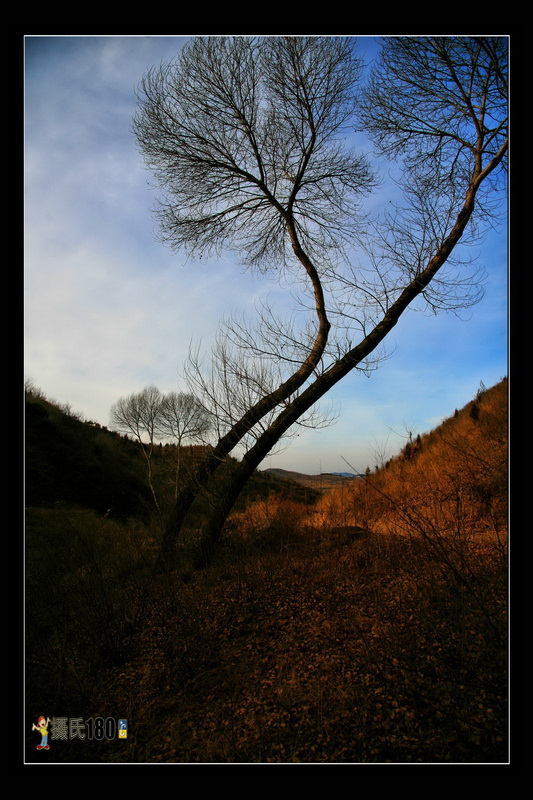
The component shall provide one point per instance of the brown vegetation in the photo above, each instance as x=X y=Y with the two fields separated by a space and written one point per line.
x=300 y=642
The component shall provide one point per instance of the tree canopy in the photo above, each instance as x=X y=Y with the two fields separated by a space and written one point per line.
x=245 y=137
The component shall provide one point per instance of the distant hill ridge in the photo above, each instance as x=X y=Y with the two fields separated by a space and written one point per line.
x=324 y=480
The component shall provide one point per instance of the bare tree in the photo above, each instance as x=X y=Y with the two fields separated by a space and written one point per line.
x=182 y=418
x=138 y=415
x=246 y=142
x=243 y=135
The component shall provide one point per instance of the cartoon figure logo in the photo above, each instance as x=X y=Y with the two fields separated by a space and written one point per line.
x=42 y=727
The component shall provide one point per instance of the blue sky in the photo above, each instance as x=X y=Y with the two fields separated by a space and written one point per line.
x=108 y=309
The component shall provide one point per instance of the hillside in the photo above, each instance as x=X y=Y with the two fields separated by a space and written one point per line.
x=80 y=463
x=460 y=465
x=75 y=462
x=301 y=642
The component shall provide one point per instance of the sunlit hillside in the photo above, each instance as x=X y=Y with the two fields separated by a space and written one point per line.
x=452 y=481
x=365 y=624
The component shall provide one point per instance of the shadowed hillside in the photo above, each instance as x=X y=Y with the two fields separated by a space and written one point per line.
x=367 y=627
x=72 y=461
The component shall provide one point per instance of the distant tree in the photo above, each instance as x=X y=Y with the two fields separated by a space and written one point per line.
x=474 y=411
x=245 y=136
x=138 y=414
x=183 y=418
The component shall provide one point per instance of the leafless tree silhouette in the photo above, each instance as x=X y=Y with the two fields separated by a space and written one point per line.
x=182 y=418
x=138 y=415
x=245 y=137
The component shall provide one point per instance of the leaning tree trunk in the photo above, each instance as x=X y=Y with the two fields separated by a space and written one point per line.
x=225 y=445
x=316 y=390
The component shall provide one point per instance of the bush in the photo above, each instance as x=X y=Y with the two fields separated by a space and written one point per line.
x=271 y=525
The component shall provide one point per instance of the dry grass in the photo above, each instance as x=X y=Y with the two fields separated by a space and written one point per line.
x=303 y=644
x=370 y=652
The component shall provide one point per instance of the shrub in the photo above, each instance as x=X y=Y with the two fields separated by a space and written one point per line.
x=271 y=524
